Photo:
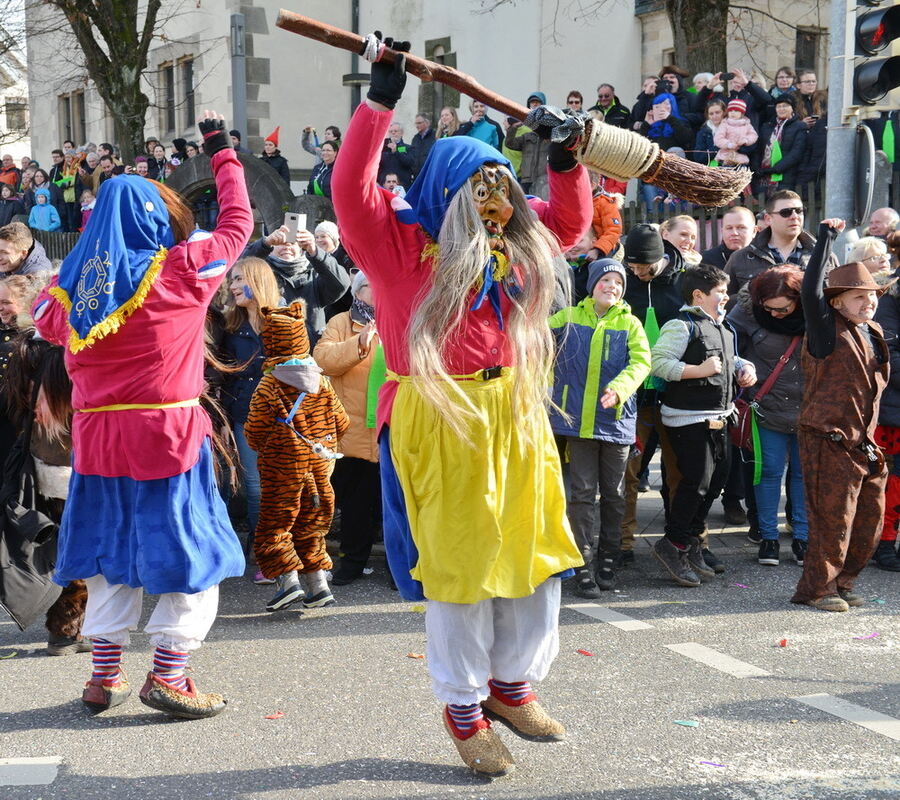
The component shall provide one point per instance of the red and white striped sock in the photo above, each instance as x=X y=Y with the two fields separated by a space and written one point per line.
x=169 y=666
x=107 y=657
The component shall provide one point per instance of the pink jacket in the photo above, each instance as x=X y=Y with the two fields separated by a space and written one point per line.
x=157 y=356
x=390 y=252
x=735 y=133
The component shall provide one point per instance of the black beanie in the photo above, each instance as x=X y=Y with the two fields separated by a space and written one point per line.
x=643 y=245
x=235 y=133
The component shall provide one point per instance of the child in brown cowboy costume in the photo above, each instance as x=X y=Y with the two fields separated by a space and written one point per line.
x=845 y=364
x=294 y=424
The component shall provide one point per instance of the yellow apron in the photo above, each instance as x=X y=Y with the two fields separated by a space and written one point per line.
x=489 y=520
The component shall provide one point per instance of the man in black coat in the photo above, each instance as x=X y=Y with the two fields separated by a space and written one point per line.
x=614 y=113
x=422 y=142
x=738 y=230
x=396 y=157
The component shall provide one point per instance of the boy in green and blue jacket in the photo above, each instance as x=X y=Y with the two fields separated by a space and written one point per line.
x=602 y=358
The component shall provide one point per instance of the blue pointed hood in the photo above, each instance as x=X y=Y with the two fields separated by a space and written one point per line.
x=112 y=267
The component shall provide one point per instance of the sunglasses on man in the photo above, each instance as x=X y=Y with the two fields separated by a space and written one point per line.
x=787 y=212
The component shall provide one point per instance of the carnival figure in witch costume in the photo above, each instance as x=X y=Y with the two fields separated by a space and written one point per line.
x=475 y=517
x=143 y=512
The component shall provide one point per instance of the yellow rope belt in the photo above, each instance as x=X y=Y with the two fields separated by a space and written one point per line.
x=131 y=406
x=481 y=375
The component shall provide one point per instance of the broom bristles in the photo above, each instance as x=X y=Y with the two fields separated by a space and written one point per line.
x=696 y=183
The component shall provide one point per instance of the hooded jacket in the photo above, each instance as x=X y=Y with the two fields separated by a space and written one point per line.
x=594 y=354
x=534 y=151
x=43 y=216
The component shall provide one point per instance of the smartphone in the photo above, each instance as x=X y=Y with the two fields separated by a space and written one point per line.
x=813 y=116
x=727 y=76
x=294 y=223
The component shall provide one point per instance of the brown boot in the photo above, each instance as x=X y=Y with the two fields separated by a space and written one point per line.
x=187 y=704
x=528 y=720
x=481 y=750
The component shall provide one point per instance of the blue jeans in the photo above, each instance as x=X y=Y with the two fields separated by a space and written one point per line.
x=777 y=448
x=249 y=473
x=649 y=193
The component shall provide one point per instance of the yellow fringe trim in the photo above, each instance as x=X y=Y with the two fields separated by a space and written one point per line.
x=117 y=319
x=431 y=250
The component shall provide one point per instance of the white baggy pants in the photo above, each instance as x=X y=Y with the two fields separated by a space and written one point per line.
x=509 y=640
x=179 y=621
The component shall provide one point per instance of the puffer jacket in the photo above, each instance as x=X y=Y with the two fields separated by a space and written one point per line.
x=594 y=354
x=336 y=353
x=779 y=410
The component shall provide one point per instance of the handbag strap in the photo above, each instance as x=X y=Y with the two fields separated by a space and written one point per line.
x=773 y=375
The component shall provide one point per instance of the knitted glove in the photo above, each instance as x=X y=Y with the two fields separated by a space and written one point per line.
x=215 y=137
x=560 y=158
x=388 y=80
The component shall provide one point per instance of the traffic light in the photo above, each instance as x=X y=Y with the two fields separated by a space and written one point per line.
x=875 y=31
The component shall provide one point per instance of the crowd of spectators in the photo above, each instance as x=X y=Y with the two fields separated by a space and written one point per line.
x=728 y=120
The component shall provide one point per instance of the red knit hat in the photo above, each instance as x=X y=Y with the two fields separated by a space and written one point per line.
x=273 y=136
x=737 y=105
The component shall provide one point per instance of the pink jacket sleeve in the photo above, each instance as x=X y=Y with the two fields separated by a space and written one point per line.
x=569 y=211
x=368 y=224
x=205 y=257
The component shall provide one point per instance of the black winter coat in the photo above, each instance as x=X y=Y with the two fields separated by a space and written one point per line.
x=793 y=150
x=279 y=163
x=888 y=316
x=9 y=208
x=399 y=162
x=421 y=147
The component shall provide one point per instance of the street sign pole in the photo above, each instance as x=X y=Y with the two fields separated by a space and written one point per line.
x=840 y=175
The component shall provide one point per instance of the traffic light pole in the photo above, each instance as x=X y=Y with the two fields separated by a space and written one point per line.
x=840 y=174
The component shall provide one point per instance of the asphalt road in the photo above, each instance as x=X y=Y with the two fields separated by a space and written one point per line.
x=359 y=720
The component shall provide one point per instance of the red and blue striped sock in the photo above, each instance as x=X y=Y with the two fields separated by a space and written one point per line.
x=106 y=659
x=168 y=665
x=465 y=718
x=514 y=694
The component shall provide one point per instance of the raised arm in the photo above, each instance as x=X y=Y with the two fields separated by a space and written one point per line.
x=820 y=333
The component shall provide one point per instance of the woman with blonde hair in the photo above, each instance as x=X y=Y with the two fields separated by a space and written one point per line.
x=448 y=122
x=873 y=253
x=251 y=285
x=681 y=231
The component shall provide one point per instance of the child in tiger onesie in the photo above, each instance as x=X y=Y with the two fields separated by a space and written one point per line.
x=294 y=423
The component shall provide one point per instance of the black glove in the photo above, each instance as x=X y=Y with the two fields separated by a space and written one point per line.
x=215 y=137
x=389 y=80
x=560 y=158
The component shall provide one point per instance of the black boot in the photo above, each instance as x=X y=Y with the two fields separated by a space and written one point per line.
x=886 y=557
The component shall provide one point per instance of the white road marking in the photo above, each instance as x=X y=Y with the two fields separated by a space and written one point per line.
x=614 y=618
x=716 y=660
x=858 y=715
x=28 y=771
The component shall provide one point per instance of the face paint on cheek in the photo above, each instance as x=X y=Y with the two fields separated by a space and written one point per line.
x=490 y=190
x=248 y=292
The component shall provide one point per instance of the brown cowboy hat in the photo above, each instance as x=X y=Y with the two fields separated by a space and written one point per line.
x=853 y=276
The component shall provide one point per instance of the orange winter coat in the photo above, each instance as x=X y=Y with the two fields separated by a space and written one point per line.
x=607 y=224
x=337 y=354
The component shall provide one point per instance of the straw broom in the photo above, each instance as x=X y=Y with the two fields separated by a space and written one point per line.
x=611 y=151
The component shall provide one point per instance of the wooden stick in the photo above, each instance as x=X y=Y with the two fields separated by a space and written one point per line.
x=422 y=68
